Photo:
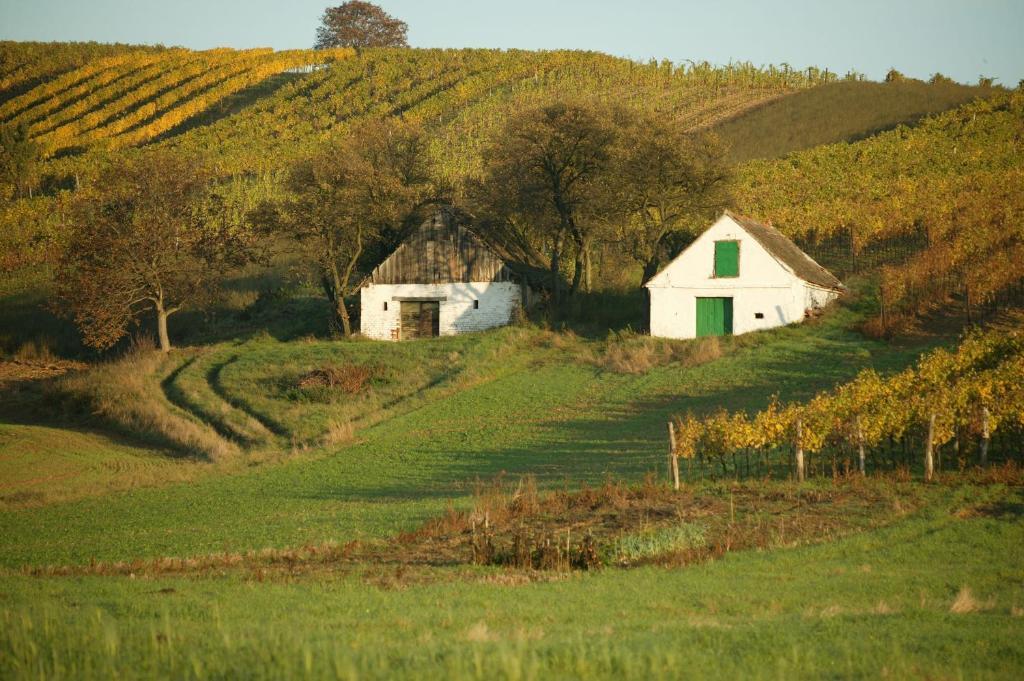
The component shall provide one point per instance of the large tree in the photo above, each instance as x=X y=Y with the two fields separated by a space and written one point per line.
x=350 y=195
x=19 y=159
x=548 y=170
x=669 y=182
x=360 y=24
x=148 y=237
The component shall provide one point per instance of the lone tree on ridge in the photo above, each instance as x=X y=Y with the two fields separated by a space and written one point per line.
x=360 y=24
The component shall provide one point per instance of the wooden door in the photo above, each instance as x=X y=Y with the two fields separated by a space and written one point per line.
x=714 y=317
x=420 y=319
x=430 y=316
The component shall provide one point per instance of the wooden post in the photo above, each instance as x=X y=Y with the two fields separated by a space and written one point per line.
x=799 y=451
x=673 y=460
x=985 y=437
x=929 y=459
x=860 y=445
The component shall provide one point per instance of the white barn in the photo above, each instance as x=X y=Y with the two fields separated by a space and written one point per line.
x=444 y=280
x=738 y=276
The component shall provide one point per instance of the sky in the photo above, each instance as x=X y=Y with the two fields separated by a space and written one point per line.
x=962 y=39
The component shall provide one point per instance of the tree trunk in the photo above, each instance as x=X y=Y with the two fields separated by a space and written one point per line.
x=799 y=451
x=860 y=446
x=985 y=437
x=650 y=269
x=161 y=328
x=588 y=264
x=577 y=274
x=929 y=458
x=341 y=312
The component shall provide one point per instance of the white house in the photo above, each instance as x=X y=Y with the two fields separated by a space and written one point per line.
x=738 y=276
x=444 y=280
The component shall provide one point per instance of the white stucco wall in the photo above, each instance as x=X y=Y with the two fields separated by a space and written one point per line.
x=764 y=286
x=499 y=304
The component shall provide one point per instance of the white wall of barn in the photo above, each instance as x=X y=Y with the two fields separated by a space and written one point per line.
x=764 y=287
x=499 y=305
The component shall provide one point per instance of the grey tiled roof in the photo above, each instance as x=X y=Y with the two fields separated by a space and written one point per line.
x=787 y=252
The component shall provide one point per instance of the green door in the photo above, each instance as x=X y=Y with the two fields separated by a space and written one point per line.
x=714 y=317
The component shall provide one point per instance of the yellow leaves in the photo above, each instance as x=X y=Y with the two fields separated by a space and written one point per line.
x=986 y=370
x=175 y=85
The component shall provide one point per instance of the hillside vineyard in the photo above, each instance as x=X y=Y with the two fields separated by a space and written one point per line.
x=249 y=114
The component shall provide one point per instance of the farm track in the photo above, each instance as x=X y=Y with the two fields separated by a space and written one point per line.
x=180 y=396
x=195 y=388
x=213 y=379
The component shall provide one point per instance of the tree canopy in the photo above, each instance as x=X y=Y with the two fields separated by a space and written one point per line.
x=148 y=237
x=347 y=197
x=360 y=24
x=573 y=176
x=19 y=159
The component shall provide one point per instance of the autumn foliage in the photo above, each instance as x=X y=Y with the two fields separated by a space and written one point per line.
x=972 y=392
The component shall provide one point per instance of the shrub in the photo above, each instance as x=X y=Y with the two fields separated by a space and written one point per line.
x=327 y=382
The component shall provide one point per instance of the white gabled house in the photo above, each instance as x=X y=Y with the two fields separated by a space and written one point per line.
x=738 y=276
x=445 y=280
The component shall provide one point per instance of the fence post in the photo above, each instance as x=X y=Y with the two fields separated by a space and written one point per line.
x=673 y=460
x=799 y=451
x=985 y=437
x=860 y=445
x=929 y=459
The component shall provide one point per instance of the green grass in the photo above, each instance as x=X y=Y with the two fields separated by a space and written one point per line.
x=845 y=111
x=445 y=413
x=530 y=411
x=878 y=604
x=655 y=542
x=44 y=464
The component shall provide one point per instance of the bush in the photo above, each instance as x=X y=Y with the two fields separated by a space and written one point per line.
x=348 y=379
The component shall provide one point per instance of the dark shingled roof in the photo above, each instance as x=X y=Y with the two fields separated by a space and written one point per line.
x=787 y=252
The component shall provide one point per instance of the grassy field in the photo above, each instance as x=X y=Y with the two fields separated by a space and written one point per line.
x=936 y=595
x=926 y=584
x=837 y=112
x=523 y=407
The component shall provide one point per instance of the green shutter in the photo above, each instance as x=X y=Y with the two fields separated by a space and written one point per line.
x=714 y=317
x=727 y=258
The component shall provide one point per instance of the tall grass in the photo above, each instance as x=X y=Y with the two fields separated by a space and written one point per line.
x=126 y=395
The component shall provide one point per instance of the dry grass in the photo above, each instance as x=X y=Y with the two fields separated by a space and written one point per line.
x=966 y=602
x=536 y=535
x=632 y=353
x=126 y=394
x=348 y=378
x=339 y=432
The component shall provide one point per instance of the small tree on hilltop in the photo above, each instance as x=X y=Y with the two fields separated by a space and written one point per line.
x=147 y=238
x=360 y=24
x=346 y=197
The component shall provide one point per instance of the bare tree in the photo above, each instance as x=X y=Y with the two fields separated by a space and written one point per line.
x=149 y=237
x=668 y=183
x=347 y=196
x=548 y=169
x=360 y=24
